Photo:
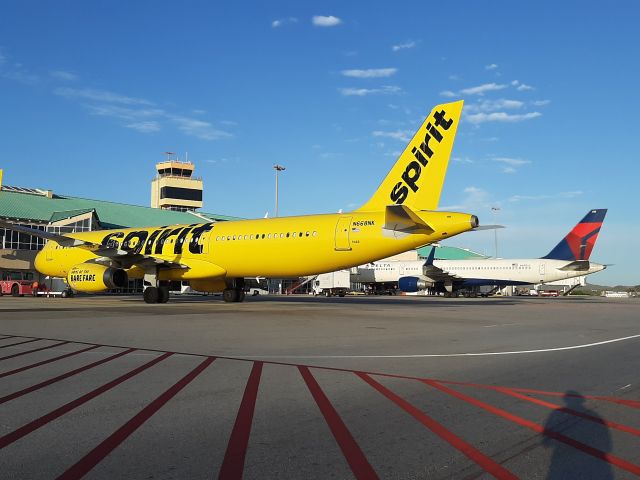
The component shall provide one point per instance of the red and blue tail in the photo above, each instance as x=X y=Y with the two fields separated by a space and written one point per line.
x=577 y=245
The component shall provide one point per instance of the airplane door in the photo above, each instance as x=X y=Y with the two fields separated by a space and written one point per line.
x=204 y=241
x=343 y=227
x=542 y=269
x=401 y=268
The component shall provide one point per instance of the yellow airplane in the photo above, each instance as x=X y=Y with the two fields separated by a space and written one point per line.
x=216 y=257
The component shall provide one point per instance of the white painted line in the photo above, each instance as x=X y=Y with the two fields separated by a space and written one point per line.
x=439 y=355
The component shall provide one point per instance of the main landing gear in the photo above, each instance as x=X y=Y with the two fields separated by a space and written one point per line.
x=156 y=294
x=235 y=292
x=155 y=291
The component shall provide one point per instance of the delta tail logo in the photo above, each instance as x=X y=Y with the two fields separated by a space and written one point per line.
x=579 y=242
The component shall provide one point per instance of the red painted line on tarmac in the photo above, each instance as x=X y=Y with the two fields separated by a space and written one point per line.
x=233 y=463
x=44 y=362
x=46 y=383
x=571 y=411
x=352 y=453
x=20 y=343
x=607 y=457
x=58 y=412
x=33 y=351
x=489 y=465
x=621 y=401
x=95 y=456
x=628 y=403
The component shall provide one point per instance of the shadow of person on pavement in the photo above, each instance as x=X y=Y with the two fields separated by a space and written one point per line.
x=570 y=462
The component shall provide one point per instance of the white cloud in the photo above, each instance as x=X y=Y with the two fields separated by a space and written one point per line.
x=402 y=135
x=465 y=160
x=139 y=115
x=515 y=162
x=492 y=66
x=21 y=76
x=474 y=197
x=124 y=113
x=482 y=89
x=403 y=46
x=510 y=165
x=325 y=21
x=283 y=21
x=361 y=92
x=521 y=87
x=100 y=96
x=3 y=59
x=198 y=128
x=218 y=162
x=493 y=105
x=145 y=127
x=478 y=118
x=454 y=77
x=448 y=93
x=370 y=73
x=541 y=103
x=551 y=196
x=63 y=75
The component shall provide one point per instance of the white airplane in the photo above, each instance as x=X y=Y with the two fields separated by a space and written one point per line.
x=570 y=258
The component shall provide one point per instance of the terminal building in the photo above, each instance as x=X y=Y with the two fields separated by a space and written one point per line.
x=178 y=201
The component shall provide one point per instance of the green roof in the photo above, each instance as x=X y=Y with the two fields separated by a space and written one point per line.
x=56 y=216
x=39 y=208
x=448 y=253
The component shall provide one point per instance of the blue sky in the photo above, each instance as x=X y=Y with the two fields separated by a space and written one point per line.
x=93 y=93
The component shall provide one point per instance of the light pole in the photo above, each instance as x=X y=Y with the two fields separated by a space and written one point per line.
x=277 y=168
x=495 y=211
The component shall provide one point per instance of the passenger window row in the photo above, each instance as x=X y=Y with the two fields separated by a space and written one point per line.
x=262 y=236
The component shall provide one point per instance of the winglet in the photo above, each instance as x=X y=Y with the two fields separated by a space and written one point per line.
x=431 y=257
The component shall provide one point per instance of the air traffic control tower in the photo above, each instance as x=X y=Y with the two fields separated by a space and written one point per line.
x=174 y=187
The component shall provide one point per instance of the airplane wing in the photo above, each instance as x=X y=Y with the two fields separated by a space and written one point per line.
x=106 y=255
x=436 y=273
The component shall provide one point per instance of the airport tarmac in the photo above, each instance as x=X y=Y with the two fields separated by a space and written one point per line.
x=303 y=387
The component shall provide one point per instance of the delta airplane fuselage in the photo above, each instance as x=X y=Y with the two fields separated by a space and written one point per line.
x=468 y=273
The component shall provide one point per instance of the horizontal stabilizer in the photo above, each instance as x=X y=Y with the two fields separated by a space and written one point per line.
x=401 y=218
x=486 y=227
x=577 y=266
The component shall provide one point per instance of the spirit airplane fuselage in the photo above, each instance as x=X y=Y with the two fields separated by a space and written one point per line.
x=275 y=247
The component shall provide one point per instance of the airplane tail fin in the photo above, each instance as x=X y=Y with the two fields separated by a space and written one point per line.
x=417 y=177
x=579 y=242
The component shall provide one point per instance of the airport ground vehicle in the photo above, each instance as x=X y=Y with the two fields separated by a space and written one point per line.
x=16 y=283
x=548 y=293
x=332 y=284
